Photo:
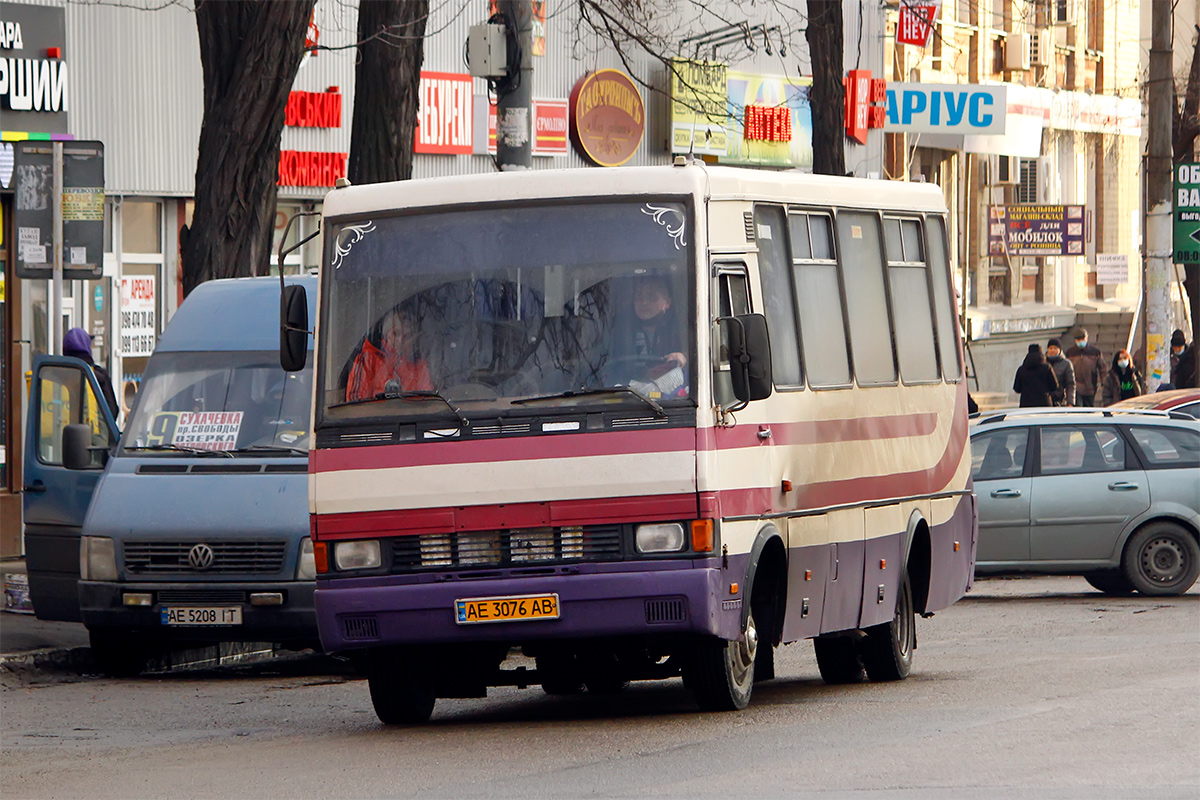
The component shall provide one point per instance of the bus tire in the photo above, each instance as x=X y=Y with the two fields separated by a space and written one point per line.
x=558 y=674
x=401 y=692
x=1112 y=583
x=720 y=674
x=116 y=656
x=1161 y=559
x=887 y=649
x=839 y=660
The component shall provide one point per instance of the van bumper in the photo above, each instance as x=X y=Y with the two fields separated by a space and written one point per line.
x=293 y=623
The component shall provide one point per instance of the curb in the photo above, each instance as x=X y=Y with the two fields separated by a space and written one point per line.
x=29 y=667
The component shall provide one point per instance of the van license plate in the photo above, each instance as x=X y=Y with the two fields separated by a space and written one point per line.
x=523 y=608
x=201 y=615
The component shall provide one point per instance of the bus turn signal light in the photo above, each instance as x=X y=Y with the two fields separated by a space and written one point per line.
x=321 y=557
x=702 y=535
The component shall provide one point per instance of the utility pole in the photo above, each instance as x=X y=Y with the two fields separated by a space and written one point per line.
x=1156 y=284
x=514 y=117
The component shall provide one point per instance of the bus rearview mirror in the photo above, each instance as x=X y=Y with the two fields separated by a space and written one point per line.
x=750 y=357
x=293 y=328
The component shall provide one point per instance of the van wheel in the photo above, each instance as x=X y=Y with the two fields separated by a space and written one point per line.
x=839 y=660
x=887 y=649
x=401 y=686
x=559 y=674
x=1162 y=559
x=720 y=674
x=117 y=656
x=1113 y=583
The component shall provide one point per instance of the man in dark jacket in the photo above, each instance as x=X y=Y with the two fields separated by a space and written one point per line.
x=1035 y=380
x=1183 y=362
x=1064 y=372
x=1090 y=368
x=78 y=343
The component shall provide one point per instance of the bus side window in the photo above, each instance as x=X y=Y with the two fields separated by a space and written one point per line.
x=733 y=299
x=912 y=311
x=944 y=305
x=819 y=300
x=861 y=257
x=777 y=296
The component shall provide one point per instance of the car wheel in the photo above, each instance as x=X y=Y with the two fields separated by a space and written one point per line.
x=1162 y=559
x=401 y=686
x=117 y=656
x=720 y=674
x=887 y=649
x=839 y=660
x=1111 y=583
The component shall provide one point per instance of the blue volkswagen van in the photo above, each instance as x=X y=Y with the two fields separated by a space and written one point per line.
x=192 y=529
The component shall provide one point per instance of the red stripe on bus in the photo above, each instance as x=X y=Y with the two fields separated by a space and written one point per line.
x=897 y=426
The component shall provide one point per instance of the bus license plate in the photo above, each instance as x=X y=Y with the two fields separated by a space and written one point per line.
x=201 y=615
x=521 y=608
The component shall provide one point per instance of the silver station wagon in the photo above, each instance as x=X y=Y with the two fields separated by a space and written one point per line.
x=1112 y=495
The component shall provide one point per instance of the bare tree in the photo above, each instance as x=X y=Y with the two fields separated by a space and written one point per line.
x=391 y=36
x=249 y=53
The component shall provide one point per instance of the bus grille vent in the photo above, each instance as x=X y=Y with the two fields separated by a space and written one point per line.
x=748 y=220
x=499 y=430
x=671 y=610
x=360 y=628
x=516 y=548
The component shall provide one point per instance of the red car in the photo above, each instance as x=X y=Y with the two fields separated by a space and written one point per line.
x=1186 y=401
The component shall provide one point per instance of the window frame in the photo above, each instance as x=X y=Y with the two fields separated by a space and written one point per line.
x=877 y=214
x=829 y=212
x=924 y=266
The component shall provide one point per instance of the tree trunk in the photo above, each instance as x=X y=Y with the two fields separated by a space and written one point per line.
x=828 y=96
x=249 y=52
x=386 y=80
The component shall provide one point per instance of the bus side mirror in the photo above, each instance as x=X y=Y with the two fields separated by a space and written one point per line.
x=77 y=446
x=750 y=357
x=293 y=328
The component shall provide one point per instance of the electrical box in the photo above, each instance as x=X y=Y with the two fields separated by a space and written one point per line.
x=1005 y=169
x=1016 y=51
x=1040 y=49
x=487 y=51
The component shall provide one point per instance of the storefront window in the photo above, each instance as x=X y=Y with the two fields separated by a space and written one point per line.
x=141 y=226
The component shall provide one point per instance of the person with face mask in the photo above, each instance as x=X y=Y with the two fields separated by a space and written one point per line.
x=1123 y=381
x=1064 y=371
x=1183 y=362
x=1035 y=380
x=1089 y=366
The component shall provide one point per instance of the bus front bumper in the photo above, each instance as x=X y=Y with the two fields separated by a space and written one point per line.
x=645 y=598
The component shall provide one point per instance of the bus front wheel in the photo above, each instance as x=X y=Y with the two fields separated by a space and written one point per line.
x=720 y=674
x=402 y=691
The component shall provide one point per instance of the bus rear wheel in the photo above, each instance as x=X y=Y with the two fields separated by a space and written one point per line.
x=402 y=687
x=887 y=649
x=838 y=660
x=720 y=674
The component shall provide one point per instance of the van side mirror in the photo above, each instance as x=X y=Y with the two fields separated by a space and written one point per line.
x=750 y=357
x=293 y=328
x=77 y=446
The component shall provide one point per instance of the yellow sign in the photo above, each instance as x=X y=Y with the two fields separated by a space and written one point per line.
x=699 y=107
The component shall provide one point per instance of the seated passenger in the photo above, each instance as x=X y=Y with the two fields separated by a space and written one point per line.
x=394 y=359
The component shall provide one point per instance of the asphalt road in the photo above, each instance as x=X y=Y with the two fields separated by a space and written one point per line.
x=1030 y=688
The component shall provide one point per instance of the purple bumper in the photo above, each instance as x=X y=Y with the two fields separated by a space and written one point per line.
x=608 y=600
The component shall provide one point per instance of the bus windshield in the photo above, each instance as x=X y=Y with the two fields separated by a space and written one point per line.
x=487 y=308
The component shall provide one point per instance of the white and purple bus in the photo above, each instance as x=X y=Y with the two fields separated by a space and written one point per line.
x=633 y=424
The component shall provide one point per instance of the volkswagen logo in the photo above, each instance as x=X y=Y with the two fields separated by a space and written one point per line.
x=200 y=557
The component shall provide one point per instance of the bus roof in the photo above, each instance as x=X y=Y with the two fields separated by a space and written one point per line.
x=714 y=182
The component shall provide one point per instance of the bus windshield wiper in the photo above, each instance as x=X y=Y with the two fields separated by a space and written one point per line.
x=658 y=410
x=390 y=393
x=269 y=448
x=178 y=448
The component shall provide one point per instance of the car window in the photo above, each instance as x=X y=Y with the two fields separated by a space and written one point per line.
x=1000 y=454
x=1067 y=449
x=1168 y=447
x=1191 y=409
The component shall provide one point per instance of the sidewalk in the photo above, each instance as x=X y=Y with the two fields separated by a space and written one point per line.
x=28 y=643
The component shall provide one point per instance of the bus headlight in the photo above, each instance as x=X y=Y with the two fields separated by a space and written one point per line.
x=660 y=537
x=97 y=558
x=306 y=565
x=357 y=555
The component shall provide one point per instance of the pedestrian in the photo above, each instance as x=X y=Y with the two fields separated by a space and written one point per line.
x=1183 y=362
x=1090 y=369
x=1123 y=381
x=78 y=344
x=1035 y=380
x=1064 y=372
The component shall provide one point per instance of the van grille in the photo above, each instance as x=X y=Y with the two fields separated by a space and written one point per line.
x=506 y=548
x=229 y=558
x=201 y=596
x=670 y=610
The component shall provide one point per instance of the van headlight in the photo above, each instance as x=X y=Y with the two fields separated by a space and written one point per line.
x=97 y=558
x=357 y=555
x=306 y=564
x=660 y=537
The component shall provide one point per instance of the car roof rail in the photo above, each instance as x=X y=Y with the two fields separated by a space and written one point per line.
x=998 y=416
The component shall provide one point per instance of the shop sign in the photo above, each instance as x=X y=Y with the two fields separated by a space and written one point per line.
x=945 y=108
x=699 y=107
x=446 y=110
x=1033 y=230
x=916 y=21
x=1112 y=269
x=550 y=122
x=34 y=80
x=607 y=117
x=300 y=168
x=1187 y=213
x=863 y=93
x=138 y=312
x=82 y=209
x=314 y=109
x=790 y=95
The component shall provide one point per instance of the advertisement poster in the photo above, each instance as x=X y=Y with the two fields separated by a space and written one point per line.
x=699 y=107
x=138 y=311
x=1033 y=230
x=772 y=91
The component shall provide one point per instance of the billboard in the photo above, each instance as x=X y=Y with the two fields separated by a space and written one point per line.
x=1035 y=230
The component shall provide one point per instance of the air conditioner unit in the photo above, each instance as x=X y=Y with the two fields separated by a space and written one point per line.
x=1016 y=51
x=1005 y=169
x=1040 y=49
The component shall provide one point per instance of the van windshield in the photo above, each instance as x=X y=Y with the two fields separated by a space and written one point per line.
x=220 y=401
x=484 y=308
